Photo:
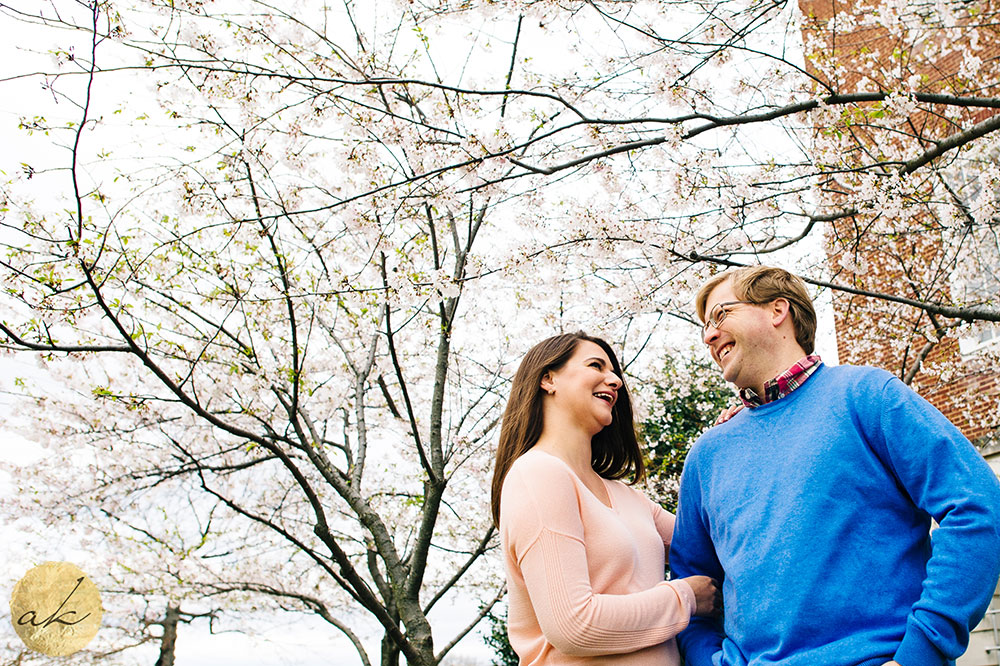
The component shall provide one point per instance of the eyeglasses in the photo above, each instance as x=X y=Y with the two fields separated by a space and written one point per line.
x=719 y=314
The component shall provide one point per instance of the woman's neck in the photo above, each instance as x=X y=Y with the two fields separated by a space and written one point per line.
x=569 y=443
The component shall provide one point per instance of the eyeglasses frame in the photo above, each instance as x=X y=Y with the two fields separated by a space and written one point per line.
x=716 y=320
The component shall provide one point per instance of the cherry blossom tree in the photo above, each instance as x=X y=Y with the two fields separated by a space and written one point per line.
x=282 y=259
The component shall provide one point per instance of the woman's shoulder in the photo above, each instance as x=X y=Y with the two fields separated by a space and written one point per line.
x=535 y=462
x=540 y=477
x=538 y=491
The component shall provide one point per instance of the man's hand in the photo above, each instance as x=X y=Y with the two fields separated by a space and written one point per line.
x=891 y=663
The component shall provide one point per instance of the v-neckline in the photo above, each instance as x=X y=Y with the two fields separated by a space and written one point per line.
x=604 y=484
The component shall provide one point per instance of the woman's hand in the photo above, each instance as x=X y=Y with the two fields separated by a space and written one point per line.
x=707 y=595
x=729 y=412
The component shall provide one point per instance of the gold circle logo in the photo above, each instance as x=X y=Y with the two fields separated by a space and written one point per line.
x=56 y=609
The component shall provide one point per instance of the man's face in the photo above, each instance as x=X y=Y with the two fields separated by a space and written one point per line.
x=741 y=344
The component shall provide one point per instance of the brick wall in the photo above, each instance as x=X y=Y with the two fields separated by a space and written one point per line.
x=909 y=257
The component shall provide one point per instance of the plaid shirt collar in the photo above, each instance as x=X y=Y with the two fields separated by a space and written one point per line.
x=783 y=384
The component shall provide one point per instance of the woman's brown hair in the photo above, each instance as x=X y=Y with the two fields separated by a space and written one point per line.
x=615 y=451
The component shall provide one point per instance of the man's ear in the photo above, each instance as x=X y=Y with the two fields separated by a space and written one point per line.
x=780 y=311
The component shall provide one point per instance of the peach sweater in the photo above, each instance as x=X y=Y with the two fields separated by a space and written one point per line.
x=585 y=580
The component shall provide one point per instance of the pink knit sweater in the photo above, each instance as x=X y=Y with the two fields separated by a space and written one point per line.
x=586 y=581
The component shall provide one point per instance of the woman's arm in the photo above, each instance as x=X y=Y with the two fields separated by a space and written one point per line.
x=578 y=621
x=544 y=537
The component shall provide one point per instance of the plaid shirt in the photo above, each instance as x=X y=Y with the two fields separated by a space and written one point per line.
x=783 y=384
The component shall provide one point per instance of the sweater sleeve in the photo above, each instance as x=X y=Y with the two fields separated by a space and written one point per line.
x=692 y=553
x=664 y=522
x=947 y=478
x=545 y=536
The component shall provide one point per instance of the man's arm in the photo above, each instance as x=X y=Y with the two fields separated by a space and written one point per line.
x=946 y=477
x=692 y=554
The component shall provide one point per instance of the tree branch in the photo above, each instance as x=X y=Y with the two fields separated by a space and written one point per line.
x=967 y=314
x=956 y=140
x=483 y=612
x=513 y=61
x=475 y=555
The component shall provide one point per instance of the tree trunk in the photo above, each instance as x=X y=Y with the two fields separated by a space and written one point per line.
x=169 y=639
x=390 y=652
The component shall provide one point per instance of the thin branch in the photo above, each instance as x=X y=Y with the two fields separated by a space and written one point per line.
x=481 y=548
x=513 y=61
x=52 y=347
x=285 y=290
x=314 y=604
x=967 y=314
x=78 y=135
x=716 y=122
x=388 y=397
x=483 y=612
x=956 y=140
x=424 y=462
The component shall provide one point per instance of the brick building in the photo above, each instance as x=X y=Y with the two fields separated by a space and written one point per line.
x=902 y=339
x=916 y=256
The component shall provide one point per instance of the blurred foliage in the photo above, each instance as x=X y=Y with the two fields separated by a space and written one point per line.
x=687 y=402
x=504 y=654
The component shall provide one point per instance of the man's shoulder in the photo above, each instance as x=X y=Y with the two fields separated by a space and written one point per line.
x=830 y=382
x=859 y=388
x=859 y=376
x=857 y=371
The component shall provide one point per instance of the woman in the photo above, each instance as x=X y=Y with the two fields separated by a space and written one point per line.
x=584 y=553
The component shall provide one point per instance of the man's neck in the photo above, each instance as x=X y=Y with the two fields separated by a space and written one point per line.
x=783 y=383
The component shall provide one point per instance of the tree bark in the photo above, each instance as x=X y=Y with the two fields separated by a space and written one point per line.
x=169 y=640
x=390 y=652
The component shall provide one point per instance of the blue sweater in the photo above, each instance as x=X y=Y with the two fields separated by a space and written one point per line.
x=816 y=511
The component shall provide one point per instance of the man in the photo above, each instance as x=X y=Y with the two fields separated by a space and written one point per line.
x=813 y=505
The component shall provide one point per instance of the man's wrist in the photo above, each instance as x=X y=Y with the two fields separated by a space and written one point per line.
x=917 y=650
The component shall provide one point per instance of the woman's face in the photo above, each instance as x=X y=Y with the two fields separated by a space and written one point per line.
x=586 y=386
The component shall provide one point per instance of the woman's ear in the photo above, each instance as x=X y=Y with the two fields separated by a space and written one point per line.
x=547 y=384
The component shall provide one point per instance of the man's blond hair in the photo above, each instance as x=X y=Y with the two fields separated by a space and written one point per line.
x=763 y=284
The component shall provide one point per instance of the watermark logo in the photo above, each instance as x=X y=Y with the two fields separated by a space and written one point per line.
x=56 y=609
